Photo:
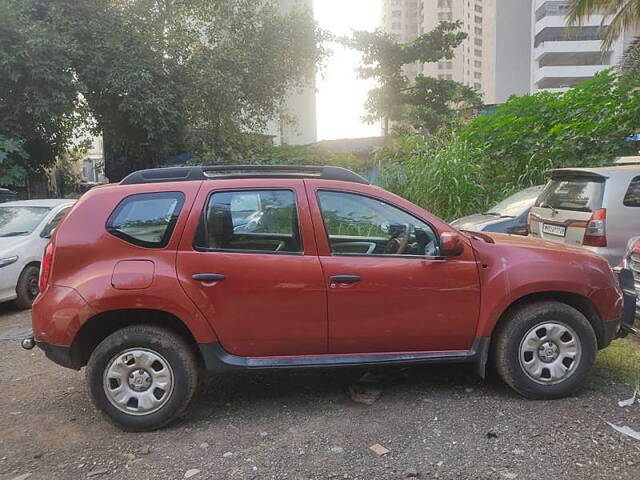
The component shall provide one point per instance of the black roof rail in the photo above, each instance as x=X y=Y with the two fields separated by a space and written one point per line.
x=186 y=174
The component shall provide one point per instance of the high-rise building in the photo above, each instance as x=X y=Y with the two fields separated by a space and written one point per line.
x=565 y=56
x=494 y=58
x=296 y=124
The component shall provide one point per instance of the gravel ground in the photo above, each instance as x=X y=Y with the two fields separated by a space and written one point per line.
x=436 y=422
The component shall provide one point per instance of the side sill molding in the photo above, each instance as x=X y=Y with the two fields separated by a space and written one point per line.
x=216 y=359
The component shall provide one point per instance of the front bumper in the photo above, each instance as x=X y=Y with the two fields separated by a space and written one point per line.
x=627 y=285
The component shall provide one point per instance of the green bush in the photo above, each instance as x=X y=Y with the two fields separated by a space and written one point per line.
x=472 y=166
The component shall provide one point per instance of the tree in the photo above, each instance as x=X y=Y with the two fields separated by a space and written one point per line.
x=623 y=14
x=168 y=76
x=39 y=103
x=424 y=104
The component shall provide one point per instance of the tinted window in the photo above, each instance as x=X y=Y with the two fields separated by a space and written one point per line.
x=251 y=221
x=361 y=225
x=582 y=194
x=19 y=221
x=146 y=219
x=632 y=197
x=53 y=223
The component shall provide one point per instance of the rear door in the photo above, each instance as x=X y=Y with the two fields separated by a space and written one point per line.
x=565 y=206
x=248 y=260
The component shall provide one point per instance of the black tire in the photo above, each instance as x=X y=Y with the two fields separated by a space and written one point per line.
x=513 y=330
x=27 y=287
x=172 y=348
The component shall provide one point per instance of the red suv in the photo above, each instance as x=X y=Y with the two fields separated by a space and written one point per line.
x=179 y=270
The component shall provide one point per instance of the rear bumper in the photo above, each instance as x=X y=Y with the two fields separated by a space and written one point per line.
x=58 y=354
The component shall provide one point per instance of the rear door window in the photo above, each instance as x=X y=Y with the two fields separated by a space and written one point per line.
x=632 y=197
x=146 y=219
x=250 y=221
x=577 y=193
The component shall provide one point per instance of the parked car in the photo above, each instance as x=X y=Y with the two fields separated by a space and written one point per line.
x=631 y=261
x=147 y=281
x=597 y=208
x=25 y=229
x=508 y=216
x=7 y=195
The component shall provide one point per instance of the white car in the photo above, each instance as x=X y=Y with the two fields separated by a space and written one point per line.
x=25 y=229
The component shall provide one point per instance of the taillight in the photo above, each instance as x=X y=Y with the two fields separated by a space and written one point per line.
x=45 y=267
x=595 y=234
x=633 y=246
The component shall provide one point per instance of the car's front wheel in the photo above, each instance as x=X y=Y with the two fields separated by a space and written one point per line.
x=545 y=350
x=142 y=377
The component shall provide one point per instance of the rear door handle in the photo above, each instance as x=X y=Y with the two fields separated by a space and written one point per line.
x=345 y=278
x=208 y=277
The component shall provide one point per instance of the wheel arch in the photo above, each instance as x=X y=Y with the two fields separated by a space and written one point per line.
x=577 y=301
x=103 y=324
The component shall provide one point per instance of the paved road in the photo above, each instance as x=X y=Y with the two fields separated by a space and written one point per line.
x=437 y=422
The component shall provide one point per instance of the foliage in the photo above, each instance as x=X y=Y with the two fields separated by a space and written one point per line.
x=472 y=166
x=424 y=104
x=630 y=64
x=620 y=15
x=167 y=76
x=38 y=92
x=13 y=159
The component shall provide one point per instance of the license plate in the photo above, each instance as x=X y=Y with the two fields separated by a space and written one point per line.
x=556 y=230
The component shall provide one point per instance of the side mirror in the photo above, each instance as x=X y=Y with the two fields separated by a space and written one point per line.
x=451 y=244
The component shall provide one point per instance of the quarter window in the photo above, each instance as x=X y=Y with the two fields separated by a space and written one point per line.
x=146 y=219
x=250 y=221
x=632 y=197
x=360 y=225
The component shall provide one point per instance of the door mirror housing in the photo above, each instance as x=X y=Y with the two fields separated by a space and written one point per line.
x=451 y=244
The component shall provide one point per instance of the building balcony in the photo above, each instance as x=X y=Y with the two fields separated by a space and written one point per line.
x=566 y=47
x=561 y=21
x=565 y=75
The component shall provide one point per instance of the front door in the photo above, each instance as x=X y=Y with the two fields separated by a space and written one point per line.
x=249 y=262
x=387 y=289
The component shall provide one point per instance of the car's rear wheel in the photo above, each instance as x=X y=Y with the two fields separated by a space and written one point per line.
x=27 y=287
x=545 y=350
x=142 y=377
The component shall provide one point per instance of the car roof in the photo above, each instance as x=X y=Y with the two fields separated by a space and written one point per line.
x=607 y=171
x=45 y=202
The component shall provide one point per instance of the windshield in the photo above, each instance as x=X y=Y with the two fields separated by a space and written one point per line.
x=17 y=221
x=516 y=204
x=578 y=193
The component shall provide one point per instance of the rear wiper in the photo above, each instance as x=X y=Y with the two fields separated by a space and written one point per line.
x=13 y=234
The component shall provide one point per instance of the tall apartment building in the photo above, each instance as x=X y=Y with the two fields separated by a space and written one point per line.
x=495 y=57
x=297 y=124
x=564 y=57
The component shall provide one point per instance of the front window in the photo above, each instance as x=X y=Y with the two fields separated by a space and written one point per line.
x=251 y=221
x=360 y=225
x=516 y=204
x=578 y=193
x=19 y=221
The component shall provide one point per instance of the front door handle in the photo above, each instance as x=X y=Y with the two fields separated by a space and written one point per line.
x=208 y=277
x=345 y=278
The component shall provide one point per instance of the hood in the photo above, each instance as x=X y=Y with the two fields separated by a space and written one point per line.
x=537 y=245
x=8 y=245
x=477 y=221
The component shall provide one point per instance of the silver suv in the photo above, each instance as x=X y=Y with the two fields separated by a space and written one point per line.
x=597 y=208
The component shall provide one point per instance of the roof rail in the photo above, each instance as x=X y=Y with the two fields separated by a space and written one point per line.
x=186 y=174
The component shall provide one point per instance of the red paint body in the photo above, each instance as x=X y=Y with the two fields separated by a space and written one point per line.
x=277 y=305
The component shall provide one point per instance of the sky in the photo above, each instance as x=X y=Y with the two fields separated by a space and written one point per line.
x=341 y=94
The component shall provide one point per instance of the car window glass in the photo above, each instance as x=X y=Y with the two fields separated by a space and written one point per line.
x=516 y=204
x=632 y=197
x=53 y=223
x=146 y=219
x=19 y=221
x=360 y=225
x=581 y=194
x=251 y=221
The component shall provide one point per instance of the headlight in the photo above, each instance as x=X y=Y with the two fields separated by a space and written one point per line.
x=8 y=261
